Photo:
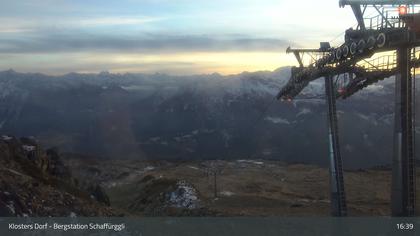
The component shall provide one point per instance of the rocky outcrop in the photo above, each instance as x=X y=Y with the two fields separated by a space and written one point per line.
x=56 y=166
x=98 y=193
x=34 y=182
x=168 y=197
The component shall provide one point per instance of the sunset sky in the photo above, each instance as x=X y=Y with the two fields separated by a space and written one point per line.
x=167 y=36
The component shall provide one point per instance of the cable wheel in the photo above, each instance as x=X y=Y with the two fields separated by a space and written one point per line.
x=338 y=53
x=371 y=42
x=381 y=40
x=353 y=48
x=345 y=49
x=361 y=46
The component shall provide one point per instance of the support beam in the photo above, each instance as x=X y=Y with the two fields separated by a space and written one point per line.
x=359 y=16
x=378 y=2
x=338 y=198
x=298 y=58
x=299 y=53
x=403 y=166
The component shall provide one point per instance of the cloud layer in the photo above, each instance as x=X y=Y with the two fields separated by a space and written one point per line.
x=183 y=36
x=79 y=42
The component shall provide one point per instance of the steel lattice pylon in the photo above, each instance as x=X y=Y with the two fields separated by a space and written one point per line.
x=394 y=33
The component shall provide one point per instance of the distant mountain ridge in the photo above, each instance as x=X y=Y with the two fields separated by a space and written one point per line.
x=159 y=116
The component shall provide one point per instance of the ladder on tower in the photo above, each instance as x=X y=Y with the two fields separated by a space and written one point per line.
x=412 y=144
x=338 y=196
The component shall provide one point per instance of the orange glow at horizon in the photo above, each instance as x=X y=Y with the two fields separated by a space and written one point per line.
x=224 y=63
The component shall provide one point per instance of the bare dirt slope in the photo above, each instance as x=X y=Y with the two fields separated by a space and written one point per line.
x=244 y=188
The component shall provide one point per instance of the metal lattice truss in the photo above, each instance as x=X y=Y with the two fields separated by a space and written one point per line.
x=368 y=52
x=350 y=79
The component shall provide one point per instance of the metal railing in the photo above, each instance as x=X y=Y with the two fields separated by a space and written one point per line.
x=387 y=17
x=381 y=63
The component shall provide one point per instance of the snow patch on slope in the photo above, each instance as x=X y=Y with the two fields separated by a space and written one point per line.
x=277 y=120
x=304 y=111
x=185 y=196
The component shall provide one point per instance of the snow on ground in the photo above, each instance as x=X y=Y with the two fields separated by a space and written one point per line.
x=11 y=207
x=304 y=111
x=251 y=161
x=6 y=137
x=370 y=118
x=227 y=193
x=149 y=168
x=28 y=148
x=387 y=119
x=185 y=196
x=277 y=120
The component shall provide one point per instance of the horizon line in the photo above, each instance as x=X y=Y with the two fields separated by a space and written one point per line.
x=139 y=73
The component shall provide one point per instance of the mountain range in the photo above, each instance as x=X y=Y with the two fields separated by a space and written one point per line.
x=159 y=116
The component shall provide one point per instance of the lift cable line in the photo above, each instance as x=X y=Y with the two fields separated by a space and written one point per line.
x=382 y=46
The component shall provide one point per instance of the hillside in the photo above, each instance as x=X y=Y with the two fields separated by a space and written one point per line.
x=34 y=182
x=37 y=182
x=243 y=187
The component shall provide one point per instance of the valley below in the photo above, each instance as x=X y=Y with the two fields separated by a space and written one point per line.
x=243 y=187
x=199 y=145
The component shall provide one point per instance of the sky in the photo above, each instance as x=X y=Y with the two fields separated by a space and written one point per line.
x=178 y=37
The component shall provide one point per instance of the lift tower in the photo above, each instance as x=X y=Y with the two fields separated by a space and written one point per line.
x=395 y=32
x=403 y=163
x=337 y=193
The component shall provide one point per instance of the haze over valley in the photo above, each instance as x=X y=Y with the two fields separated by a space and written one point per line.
x=158 y=116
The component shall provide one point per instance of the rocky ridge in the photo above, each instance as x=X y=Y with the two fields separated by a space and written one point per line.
x=35 y=182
